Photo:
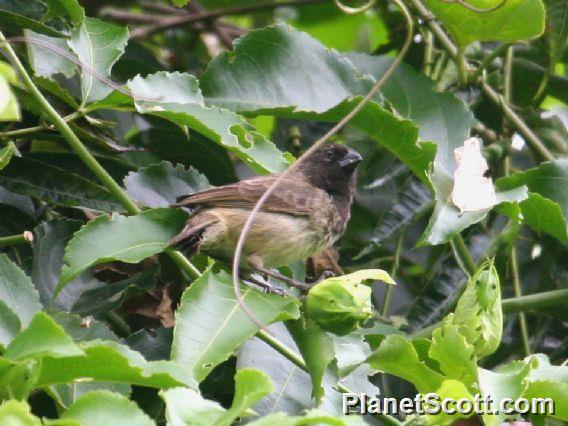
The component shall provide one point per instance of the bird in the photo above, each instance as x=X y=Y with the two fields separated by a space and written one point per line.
x=307 y=212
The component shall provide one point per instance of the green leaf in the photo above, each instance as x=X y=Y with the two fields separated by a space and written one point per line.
x=455 y=390
x=6 y=153
x=9 y=106
x=45 y=62
x=17 y=291
x=106 y=408
x=317 y=349
x=9 y=324
x=210 y=325
x=515 y=20
x=70 y=8
x=322 y=85
x=455 y=356
x=187 y=407
x=546 y=209
x=159 y=185
x=478 y=313
x=98 y=44
x=397 y=356
x=54 y=185
x=49 y=244
x=106 y=361
x=27 y=14
x=250 y=386
x=17 y=413
x=502 y=385
x=180 y=3
x=107 y=239
x=350 y=352
x=43 y=337
x=315 y=416
x=181 y=102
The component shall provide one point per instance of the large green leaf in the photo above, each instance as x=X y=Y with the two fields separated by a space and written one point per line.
x=316 y=347
x=556 y=391
x=54 y=185
x=106 y=408
x=98 y=44
x=258 y=78
x=159 y=185
x=106 y=239
x=17 y=291
x=106 y=361
x=210 y=325
x=546 y=209
x=515 y=20
x=181 y=102
x=6 y=153
x=43 y=337
x=397 y=356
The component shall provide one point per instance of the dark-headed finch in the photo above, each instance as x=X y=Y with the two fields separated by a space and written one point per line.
x=307 y=212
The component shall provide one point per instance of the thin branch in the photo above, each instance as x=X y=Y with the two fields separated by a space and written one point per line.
x=174 y=21
x=336 y=128
x=463 y=256
x=393 y=272
x=25 y=238
x=488 y=60
x=26 y=131
x=518 y=294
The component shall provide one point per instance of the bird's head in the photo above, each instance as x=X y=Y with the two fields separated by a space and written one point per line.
x=332 y=168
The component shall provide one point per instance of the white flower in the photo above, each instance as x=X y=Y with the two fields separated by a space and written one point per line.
x=472 y=190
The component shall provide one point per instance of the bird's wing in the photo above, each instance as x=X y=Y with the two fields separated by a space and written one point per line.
x=293 y=195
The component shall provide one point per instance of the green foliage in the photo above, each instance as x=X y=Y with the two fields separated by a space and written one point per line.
x=103 y=128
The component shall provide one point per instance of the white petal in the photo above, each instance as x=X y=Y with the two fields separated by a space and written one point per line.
x=472 y=191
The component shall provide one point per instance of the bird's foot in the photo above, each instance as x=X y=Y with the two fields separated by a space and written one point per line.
x=265 y=286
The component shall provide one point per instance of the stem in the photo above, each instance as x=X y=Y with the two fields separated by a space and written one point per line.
x=84 y=154
x=69 y=118
x=25 y=238
x=536 y=301
x=488 y=60
x=394 y=269
x=181 y=261
x=462 y=255
x=462 y=67
x=297 y=360
x=119 y=324
x=530 y=137
x=428 y=53
x=518 y=293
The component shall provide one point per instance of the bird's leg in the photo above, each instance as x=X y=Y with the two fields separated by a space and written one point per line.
x=257 y=264
x=264 y=285
x=325 y=275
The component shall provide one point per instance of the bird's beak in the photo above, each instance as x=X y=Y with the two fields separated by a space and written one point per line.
x=351 y=159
